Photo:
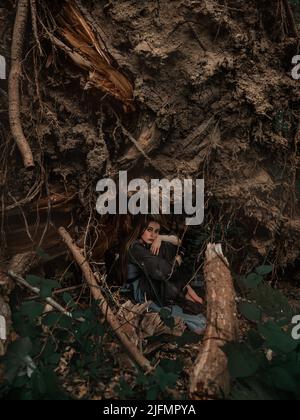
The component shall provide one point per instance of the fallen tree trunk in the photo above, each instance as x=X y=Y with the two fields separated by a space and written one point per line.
x=103 y=305
x=14 y=81
x=60 y=205
x=210 y=376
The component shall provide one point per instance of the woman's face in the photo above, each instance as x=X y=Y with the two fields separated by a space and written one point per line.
x=151 y=233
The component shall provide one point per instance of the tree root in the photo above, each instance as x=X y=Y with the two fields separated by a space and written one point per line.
x=35 y=26
x=14 y=83
x=290 y=18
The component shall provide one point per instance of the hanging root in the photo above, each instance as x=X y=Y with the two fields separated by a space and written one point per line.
x=14 y=83
x=290 y=18
x=34 y=25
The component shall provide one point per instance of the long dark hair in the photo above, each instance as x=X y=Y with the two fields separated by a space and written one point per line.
x=140 y=226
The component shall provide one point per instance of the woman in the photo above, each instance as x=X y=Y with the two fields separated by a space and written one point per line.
x=156 y=273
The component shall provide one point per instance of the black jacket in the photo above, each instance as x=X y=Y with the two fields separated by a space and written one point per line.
x=157 y=272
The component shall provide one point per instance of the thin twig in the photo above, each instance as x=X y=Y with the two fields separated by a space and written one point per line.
x=37 y=291
x=290 y=18
x=197 y=37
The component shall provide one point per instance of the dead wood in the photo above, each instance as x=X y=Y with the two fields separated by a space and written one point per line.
x=20 y=264
x=139 y=325
x=36 y=291
x=83 y=47
x=44 y=234
x=14 y=83
x=210 y=376
x=103 y=305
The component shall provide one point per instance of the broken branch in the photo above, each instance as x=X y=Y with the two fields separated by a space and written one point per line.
x=14 y=82
x=103 y=305
x=37 y=291
x=83 y=47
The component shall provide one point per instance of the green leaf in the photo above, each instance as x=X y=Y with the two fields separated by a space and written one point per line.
x=283 y=380
x=250 y=311
x=251 y=389
x=172 y=366
x=50 y=357
x=32 y=310
x=46 y=286
x=34 y=280
x=16 y=357
x=43 y=255
x=188 y=337
x=254 y=340
x=124 y=390
x=38 y=383
x=53 y=391
x=51 y=319
x=263 y=270
x=276 y=339
x=21 y=348
x=242 y=361
x=152 y=393
x=164 y=379
x=253 y=280
x=46 y=291
x=273 y=303
x=70 y=303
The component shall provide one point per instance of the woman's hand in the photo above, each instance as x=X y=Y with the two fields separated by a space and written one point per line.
x=155 y=247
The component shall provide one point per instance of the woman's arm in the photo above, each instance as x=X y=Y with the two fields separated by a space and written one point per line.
x=171 y=239
x=156 y=267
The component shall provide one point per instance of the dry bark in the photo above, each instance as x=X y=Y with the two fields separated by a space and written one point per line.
x=139 y=325
x=91 y=56
x=210 y=376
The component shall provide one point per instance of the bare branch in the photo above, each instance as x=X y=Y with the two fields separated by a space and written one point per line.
x=103 y=305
